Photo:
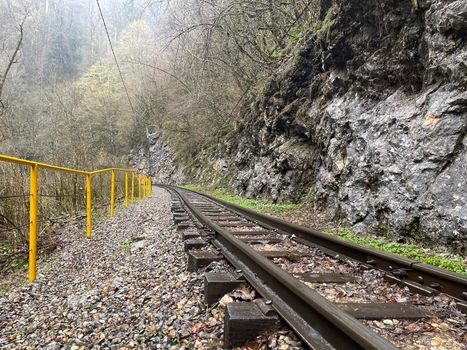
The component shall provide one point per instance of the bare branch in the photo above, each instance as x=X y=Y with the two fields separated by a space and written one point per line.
x=163 y=71
x=12 y=59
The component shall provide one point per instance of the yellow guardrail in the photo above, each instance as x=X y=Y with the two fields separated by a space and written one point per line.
x=144 y=189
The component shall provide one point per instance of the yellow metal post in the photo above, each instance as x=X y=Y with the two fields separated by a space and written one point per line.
x=132 y=186
x=88 y=206
x=139 y=187
x=33 y=175
x=112 y=194
x=126 y=189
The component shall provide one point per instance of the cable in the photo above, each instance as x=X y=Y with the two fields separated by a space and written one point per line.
x=115 y=56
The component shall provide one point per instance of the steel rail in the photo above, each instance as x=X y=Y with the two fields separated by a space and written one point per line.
x=320 y=323
x=450 y=283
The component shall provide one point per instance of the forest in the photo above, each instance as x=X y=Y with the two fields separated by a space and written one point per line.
x=82 y=82
x=185 y=64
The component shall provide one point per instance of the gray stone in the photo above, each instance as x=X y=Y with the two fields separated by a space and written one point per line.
x=138 y=245
x=164 y=167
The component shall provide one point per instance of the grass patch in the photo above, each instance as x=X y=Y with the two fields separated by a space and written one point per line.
x=47 y=267
x=454 y=263
x=261 y=206
x=126 y=246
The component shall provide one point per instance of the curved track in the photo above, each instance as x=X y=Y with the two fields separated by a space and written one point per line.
x=240 y=235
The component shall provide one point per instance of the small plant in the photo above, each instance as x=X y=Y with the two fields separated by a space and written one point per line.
x=126 y=246
x=192 y=187
x=47 y=267
x=228 y=196
x=455 y=263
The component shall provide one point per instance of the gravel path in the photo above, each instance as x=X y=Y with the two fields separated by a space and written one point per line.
x=127 y=287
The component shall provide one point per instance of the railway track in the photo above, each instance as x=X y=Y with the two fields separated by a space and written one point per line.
x=276 y=257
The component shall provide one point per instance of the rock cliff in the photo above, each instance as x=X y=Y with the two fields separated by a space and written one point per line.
x=368 y=115
x=162 y=166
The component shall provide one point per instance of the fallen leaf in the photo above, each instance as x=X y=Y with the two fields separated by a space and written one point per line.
x=226 y=299
x=243 y=293
x=437 y=341
x=197 y=327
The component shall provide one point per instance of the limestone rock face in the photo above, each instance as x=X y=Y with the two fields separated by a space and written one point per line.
x=162 y=165
x=370 y=116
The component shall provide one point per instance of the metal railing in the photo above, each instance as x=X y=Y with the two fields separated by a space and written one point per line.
x=143 y=183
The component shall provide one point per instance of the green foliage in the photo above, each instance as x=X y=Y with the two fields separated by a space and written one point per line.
x=278 y=53
x=126 y=245
x=47 y=266
x=297 y=31
x=323 y=28
x=411 y=251
x=228 y=196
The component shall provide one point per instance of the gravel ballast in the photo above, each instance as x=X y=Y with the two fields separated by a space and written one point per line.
x=125 y=288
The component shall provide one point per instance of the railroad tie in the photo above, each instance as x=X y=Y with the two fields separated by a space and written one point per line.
x=194 y=243
x=217 y=284
x=265 y=240
x=289 y=254
x=245 y=321
x=199 y=259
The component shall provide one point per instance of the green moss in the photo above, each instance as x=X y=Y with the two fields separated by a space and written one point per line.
x=411 y=251
x=323 y=28
x=126 y=245
x=452 y=263
x=261 y=206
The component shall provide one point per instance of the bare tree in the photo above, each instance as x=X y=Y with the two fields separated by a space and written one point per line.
x=11 y=61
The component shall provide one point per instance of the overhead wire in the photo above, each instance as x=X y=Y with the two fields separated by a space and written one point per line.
x=115 y=56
